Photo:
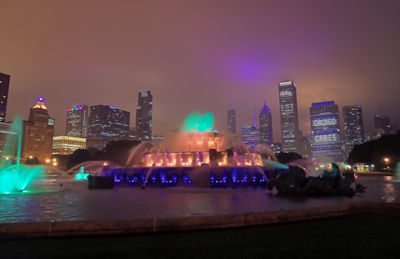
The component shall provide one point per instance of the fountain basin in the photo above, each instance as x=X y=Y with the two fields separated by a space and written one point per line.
x=204 y=176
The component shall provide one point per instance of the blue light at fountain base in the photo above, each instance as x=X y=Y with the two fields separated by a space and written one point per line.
x=213 y=177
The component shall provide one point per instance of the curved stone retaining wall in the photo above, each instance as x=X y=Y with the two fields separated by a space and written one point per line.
x=112 y=227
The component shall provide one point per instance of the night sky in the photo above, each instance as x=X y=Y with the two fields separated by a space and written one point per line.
x=201 y=55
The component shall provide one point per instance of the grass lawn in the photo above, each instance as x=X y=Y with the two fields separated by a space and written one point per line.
x=364 y=236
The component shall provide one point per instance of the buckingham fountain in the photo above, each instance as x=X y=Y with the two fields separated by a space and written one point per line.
x=195 y=156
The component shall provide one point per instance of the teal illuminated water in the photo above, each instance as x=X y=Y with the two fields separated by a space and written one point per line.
x=15 y=177
x=199 y=122
x=81 y=175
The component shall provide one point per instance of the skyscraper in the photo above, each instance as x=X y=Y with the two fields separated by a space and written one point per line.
x=38 y=133
x=249 y=136
x=325 y=131
x=4 y=85
x=6 y=131
x=77 y=121
x=232 y=120
x=265 y=130
x=382 y=123
x=353 y=127
x=289 y=115
x=108 y=121
x=144 y=115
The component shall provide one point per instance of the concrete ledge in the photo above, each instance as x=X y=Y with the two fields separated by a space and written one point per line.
x=111 y=227
x=376 y=173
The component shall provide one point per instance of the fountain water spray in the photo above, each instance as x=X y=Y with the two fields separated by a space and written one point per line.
x=15 y=177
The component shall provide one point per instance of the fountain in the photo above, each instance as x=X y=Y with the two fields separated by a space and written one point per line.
x=396 y=177
x=81 y=176
x=14 y=176
x=197 y=156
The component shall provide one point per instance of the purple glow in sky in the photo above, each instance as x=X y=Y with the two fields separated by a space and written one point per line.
x=201 y=55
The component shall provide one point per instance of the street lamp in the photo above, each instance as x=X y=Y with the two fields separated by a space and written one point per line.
x=387 y=160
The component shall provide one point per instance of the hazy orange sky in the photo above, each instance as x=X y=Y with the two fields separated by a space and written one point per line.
x=201 y=55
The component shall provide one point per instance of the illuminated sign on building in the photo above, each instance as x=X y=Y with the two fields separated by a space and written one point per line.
x=326 y=141
x=324 y=122
x=325 y=138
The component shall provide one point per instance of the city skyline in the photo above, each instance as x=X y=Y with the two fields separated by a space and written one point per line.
x=209 y=74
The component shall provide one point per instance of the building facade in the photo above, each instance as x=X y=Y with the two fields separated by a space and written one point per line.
x=353 y=130
x=144 y=116
x=232 y=120
x=249 y=136
x=325 y=131
x=382 y=124
x=276 y=147
x=157 y=140
x=4 y=85
x=108 y=121
x=38 y=133
x=7 y=149
x=303 y=145
x=265 y=131
x=289 y=116
x=77 y=121
x=66 y=145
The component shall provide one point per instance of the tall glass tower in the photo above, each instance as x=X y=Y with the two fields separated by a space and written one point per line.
x=265 y=125
x=325 y=131
x=289 y=116
x=249 y=136
x=353 y=127
x=77 y=121
x=108 y=121
x=144 y=116
x=232 y=120
x=4 y=85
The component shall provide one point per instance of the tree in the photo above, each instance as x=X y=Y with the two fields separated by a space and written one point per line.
x=79 y=156
x=373 y=152
x=285 y=158
x=32 y=161
x=118 y=151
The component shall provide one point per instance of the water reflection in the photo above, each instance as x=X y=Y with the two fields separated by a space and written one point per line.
x=76 y=202
x=389 y=193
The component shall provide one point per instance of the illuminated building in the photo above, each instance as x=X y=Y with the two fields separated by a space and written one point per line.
x=157 y=140
x=38 y=133
x=108 y=121
x=232 y=120
x=382 y=123
x=66 y=145
x=353 y=127
x=325 y=131
x=5 y=131
x=265 y=125
x=276 y=147
x=132 y=134
x=4 y=85
x=77 y=121
x=289 y=115
x=303 y=145
x=144 y=115
x=249 y=136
